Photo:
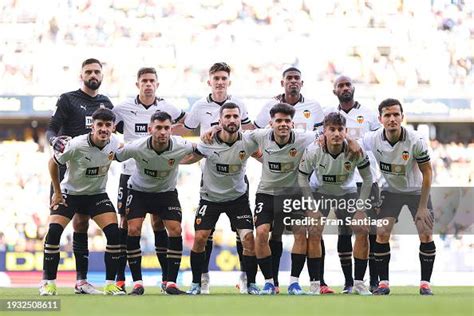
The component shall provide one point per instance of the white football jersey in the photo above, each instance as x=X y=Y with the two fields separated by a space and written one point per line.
x=280 y=164
x=87 y=165
x=398 y=162
x=309 y=114
x=335 y=174
x=223 y=171
x=359 y=120
x=204 y=113
x=136 y=117
x=155 y=172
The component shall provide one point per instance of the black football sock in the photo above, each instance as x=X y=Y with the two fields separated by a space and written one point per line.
x=112 y=251
x=276 y=247
x=265 y=265
x=123 y=255
x=427 y=258
x=374 y=276
x=360 y=268
x=297 y=264
x=344 y=249
x=250 y=263
x=175 y=251
x=198 y=259
x=51 y=251
x=209 y=245
x=134 y=257
x=80 y=248
x=161 y=249
x=314 y=269
x=382 y=258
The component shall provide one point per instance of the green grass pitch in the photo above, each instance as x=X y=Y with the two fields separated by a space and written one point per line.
x=448 y=301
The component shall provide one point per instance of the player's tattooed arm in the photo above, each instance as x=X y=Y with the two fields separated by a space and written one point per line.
x=57 y=197
x=423 y=215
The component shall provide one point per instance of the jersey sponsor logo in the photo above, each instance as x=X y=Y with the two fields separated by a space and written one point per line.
x=394 y=169
x=171 y=162
x=405 y=155
x=281 y=166
x=347 y=166
x=141 y=128
x=88 y=121
x=293 y=152
x=222 y=168
x=334 y=179
x=360 y=119
x=151 y=173
x=307 y=114
x=242 y=154
x=97 y=171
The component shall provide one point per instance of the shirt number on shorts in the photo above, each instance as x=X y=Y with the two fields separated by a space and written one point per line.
x=129 y=200
x=259 y=207
x=202 y=211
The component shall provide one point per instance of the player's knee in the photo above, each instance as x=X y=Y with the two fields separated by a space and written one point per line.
x=80 y=224
x=54 y=234
x=262 y=235
x=200 y=240
x=157 y=224
x=300 y=237
x=112 y=234
x=275 y=236
x=134 y=229
x=174 y=230
x=248 y=241
x=425 y=238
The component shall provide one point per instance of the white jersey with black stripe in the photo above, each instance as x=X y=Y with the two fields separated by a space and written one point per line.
x=204 y=113
x=223 y=177
x=136 y=117
x=309 y=114
x=155 y=172
x=398 y=162
x=280 y=163
x=335 y=174
x=87 y=165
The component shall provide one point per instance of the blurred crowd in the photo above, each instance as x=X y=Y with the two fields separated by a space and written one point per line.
x=24 y=190
x=393 y=43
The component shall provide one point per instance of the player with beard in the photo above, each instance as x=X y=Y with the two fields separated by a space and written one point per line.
x=359 y=121
x=224 y=190
x=73 y=117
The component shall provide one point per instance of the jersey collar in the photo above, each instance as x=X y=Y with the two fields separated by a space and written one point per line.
x=403 y=136
x=290 y=141
x=91 y=143
x=138 y=102
x=281 y=98
x=150 y=146
x=210 y=100
x=220 y=141
x=356 y=106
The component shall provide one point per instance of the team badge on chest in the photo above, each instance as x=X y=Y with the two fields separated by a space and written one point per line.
x=347 y=166
x=307 y=114
x=293 y=152
x=360 y=119
x=242 y=154
x=405 y=155
x=171 y=162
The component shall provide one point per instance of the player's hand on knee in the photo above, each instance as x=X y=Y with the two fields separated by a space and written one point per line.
x=56 y=200
x=424 y=219
x=59 y=143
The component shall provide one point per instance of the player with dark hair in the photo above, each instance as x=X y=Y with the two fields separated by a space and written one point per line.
x=82 y=191
x=404 y=160
x=152 y=189
x=336 y=182
x=204 y=113
x=224 y=190
x=73 y=117
x=133 y=115
x=308 y=116
x=360 y=120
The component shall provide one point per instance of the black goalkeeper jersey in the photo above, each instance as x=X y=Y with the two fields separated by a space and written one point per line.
x=73 y=115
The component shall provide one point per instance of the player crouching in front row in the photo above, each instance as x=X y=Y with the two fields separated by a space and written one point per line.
x=152 y=189
x=83 y=190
